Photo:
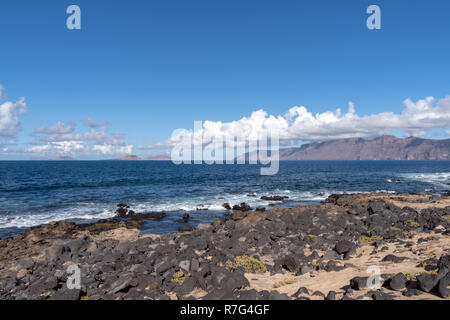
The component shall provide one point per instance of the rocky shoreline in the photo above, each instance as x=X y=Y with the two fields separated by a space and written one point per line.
x=399 y=243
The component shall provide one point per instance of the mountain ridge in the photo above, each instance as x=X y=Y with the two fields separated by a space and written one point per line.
x=381 y=148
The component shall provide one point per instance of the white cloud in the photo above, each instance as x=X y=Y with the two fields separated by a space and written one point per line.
x=113 y=149
x=66 y=147
x=299 y=124
x=9 y=120
x=57 y=128
x=61 y=138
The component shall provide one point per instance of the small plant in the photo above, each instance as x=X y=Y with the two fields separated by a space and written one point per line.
x=412 y=277
x=84 y=298
x=284 y=282
x=371 y=239
x=396 y=229
x=179 y=277
x=409 y=276
x=46 y=294
x=435 y=271
x=412 y=224
x=311 y=236
x=249 y=264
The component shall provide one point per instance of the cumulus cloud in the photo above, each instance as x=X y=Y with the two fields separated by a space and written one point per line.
x=61 y=138
x=113 y=149
x=64 y=147
x=301 y=125
x=9 y=120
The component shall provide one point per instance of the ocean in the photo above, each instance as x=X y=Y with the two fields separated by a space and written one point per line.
x=37 y=192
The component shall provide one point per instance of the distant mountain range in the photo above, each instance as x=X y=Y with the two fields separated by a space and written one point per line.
x=381 y=148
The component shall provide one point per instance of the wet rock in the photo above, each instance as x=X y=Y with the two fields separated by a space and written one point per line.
x=274 y=198
x=121 y=212
x=153 y=216
x=185 y=218
x=227 y=206
x=242 y=207
x=186 y=229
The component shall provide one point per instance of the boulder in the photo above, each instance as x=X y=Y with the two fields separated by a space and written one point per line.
x=331 y=296
x=427 y=282
x=274 y=198
x=242 y=207
x=185 y=218
x=359 y=283
x=393 y=258
x=398 y=282
x=290 y=263
x=443 y=287
x=344 y=246
x=444 y=263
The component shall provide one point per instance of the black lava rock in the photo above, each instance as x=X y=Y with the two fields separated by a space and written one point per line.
x=427 y=282
x=398 y=282
x=344 y=246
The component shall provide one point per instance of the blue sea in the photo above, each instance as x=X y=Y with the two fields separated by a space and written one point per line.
x=37 y=192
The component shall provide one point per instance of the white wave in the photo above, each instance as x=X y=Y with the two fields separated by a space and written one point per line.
x=31 y=220
x=439 y=178
x=93 y=211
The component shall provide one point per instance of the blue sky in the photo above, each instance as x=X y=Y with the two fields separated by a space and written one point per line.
x=149 y=67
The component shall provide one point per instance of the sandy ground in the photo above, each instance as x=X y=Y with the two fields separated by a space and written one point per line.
x=364 y=258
